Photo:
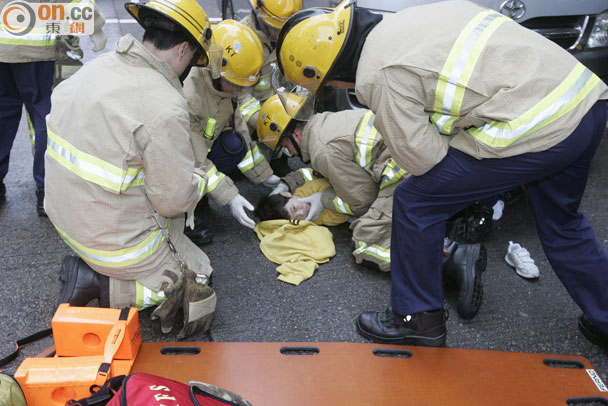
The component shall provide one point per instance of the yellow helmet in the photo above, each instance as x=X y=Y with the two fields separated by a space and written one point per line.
x=274 y=13
x=311 y=41
x=273 y=120
x=187 y=14
x=243 y=55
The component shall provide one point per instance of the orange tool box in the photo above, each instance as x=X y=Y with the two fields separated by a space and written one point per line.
x=55 y=380
x=82 y=331
x=91 y=345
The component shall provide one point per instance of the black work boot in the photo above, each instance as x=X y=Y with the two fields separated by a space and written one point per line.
x=463 y=264
x=592 y=333
x=200 y=235
x=82 y=284
x=40 y=202
x=472 y=225
x=389 y=327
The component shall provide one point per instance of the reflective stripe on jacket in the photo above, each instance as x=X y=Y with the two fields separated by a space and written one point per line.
x=205 y=103
x=119 y=162
x=467 y=77
x=346 y=148
x=36 y=45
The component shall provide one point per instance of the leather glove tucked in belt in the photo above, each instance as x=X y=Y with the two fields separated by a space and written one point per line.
x=238 y=204
x=316 y=206
x=197 y=300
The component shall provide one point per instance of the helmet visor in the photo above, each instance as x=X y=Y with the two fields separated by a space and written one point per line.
x=298 y=101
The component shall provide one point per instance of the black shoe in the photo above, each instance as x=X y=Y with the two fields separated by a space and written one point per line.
x=388 y=327
x=472 y=225
x=592 y=333
x=40 y=202
x=511 y=197
x=82 y=284
x=200 y=235
x=2 y=192
x=464 y=265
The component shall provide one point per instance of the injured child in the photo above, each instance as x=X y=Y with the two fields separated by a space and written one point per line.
x=286 y=206
x=376 y=226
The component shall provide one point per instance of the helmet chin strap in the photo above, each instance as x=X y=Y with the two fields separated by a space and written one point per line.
x=186 y=71
x=295 y=145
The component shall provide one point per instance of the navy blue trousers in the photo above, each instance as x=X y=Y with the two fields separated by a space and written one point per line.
x=227 y=151
x=554 y=182
x=27 y=83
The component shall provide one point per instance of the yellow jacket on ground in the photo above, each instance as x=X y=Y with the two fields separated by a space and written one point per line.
x=299 y=248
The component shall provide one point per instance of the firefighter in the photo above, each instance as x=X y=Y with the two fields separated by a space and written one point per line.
x=27 y=73
x=220 y=135
x=471 y=104
x=266 y=19
x=346 y=148
x=121 y=171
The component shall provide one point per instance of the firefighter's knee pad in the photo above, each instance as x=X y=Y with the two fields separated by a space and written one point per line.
x=232 y=143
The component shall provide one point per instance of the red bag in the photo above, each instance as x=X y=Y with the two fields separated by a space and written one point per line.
x=144 y=389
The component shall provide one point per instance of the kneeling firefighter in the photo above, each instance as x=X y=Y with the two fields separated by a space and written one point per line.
x=221 y=139
x=346 y=148
x=120 y=178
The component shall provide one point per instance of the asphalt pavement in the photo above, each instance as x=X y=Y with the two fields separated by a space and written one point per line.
x=516 y=315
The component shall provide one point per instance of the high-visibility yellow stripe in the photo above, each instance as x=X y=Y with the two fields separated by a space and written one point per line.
x=214 y=177
x=577 y=85
x=391 y=174
x=307 y=173
x=249 y=108
x=119 y=258
x=341 y=206
x=146 y=297
x=36 y=38
x=459 y=67
x=252 y=158
x=365 y=139
x=201 y=184
x=374 y=250
x=91 y=168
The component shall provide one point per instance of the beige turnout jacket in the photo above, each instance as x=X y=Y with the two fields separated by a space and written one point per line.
x=211 y=112
x=250 y=106
x=346 y=149
x=35 y=46
x=456 y=74
x=120 y=166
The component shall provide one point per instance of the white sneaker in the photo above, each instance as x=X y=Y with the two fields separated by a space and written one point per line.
x=519 y=258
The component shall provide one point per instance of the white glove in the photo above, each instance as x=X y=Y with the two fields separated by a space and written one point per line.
x=190 y=218
x=316 y=207
x=281 y=187
x=238 y=204
x=99 y=40
x=272 y=181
